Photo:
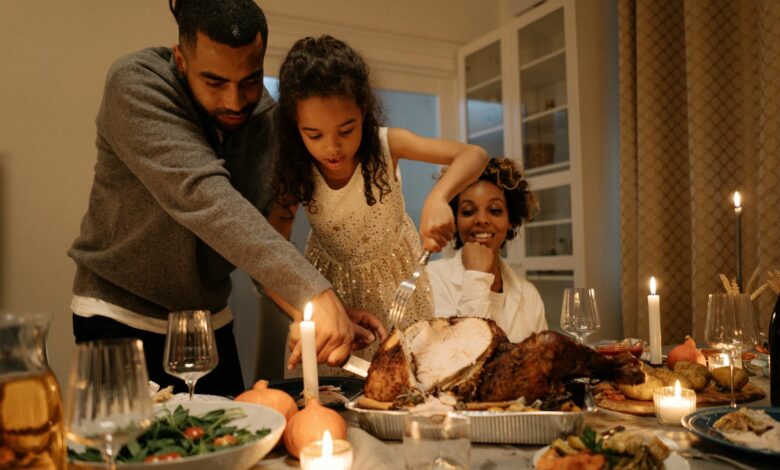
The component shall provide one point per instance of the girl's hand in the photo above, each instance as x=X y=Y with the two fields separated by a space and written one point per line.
x=367 y=328
x=477 y=257
x=437 y=224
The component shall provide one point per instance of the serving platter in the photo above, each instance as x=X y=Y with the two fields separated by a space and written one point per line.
x=700 y=423
x=489 y=427
x=710 y=396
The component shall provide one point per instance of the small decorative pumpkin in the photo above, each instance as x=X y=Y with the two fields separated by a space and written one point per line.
x=310 y=423
x=262 y=395
x=685 y=352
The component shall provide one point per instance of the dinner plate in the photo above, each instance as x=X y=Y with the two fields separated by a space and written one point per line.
x=700 y=423
x=350 y=387
x=673 y=462
x=239 y=458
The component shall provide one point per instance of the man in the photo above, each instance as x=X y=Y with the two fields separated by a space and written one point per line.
x=186 y=160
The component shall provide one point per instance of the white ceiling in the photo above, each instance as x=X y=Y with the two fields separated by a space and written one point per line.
x=452 y=21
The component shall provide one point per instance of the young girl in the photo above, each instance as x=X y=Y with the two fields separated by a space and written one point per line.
x=343 y=167
x=476 y=282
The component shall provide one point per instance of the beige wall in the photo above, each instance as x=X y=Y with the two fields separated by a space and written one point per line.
x=54 y=58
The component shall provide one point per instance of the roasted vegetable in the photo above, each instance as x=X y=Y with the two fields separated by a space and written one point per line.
x=722 y=378
x=698 y=375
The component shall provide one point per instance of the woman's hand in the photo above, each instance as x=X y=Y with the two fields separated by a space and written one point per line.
x=437 y=224
x=477 y=257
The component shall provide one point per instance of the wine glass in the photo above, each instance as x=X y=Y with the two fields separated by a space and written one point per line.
x=579 y=312
x=729 y=326
x=109 y=402
x=190 y=347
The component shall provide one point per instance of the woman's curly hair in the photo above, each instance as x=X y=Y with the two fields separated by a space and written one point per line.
x=327 y=67
x=521 y=202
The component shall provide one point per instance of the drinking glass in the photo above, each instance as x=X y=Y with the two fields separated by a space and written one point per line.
x=190 y=347
x=729 y=326
x=437 y=441
x=109 y=402
x=579 y=312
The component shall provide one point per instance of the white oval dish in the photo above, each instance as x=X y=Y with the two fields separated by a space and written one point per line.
x=239 y=458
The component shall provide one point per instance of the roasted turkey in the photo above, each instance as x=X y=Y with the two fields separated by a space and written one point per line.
x=473 y=359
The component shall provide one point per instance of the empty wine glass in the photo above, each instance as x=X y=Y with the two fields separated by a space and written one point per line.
x=579 y=313
x=729 y=326
x=190 y=347
x=109 y=402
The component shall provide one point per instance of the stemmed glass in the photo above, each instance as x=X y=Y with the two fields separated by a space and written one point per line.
x=109 y=402
x=579 y=312
x=190 y=347
x=730 y=327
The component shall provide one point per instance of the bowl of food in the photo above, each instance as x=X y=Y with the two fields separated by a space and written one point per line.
x=610 y=348
x=198 y=435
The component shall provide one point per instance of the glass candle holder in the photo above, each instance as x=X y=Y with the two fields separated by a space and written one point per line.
x=671 y=404
x=327 y=454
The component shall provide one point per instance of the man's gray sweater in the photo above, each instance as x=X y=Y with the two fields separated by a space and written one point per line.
x=172 y=210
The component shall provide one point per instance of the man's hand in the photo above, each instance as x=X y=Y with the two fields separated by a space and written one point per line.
x=367 y=328
x=334 y=332
x=437 y=224
x=477 y=257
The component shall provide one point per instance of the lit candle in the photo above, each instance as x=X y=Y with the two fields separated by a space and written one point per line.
x=671 y=404
x=654 y=316
x=311 y=385
x=738 y=214
x=327 y=454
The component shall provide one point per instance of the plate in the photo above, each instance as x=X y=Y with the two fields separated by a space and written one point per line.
x=185 y=398
x=673 y=462
x=350 y=387
x=700 y=423
x=240 y=457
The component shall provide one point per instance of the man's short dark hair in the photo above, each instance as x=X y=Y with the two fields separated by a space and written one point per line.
x=232 y=22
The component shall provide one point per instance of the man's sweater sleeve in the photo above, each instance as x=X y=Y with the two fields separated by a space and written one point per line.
x=154 y=131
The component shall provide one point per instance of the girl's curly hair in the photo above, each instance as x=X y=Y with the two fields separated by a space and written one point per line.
x=326 y=67
x=521 y=202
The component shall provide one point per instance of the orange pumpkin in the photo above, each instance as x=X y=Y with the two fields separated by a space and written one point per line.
x=262 y=395
x=309 y=424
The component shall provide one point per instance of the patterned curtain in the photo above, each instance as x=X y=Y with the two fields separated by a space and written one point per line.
x=699 y=119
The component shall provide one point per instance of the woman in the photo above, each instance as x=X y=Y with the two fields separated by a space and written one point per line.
x=476 y=282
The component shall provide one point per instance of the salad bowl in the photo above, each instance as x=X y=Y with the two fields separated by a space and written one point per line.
x=239 y=457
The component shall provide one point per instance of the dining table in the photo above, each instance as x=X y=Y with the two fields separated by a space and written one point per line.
x=370 y=453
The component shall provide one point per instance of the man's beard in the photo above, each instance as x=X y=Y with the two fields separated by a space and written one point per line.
x=245 y=112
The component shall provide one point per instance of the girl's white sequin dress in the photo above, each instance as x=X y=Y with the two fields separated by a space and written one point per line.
x=366 y=251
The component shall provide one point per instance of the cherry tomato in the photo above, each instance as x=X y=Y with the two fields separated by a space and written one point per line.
x=226 y=440
x=194 y=433
x=163 y=457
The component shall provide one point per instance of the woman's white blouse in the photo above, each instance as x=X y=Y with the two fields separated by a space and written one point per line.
x=518 y=310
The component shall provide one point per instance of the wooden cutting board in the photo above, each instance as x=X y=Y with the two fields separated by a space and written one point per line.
x=710 y=396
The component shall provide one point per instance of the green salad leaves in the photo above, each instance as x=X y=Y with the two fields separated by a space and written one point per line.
x=178 y=434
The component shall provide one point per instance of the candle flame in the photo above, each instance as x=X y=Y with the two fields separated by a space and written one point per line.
x=737 y=200
x=307 y=312
x=652 y=285
x=327 y=444
x=677 y=389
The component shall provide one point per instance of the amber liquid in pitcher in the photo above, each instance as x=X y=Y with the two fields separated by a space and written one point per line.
x=31 y=434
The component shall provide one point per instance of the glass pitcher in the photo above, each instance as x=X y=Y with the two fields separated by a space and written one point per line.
x=31 y=433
